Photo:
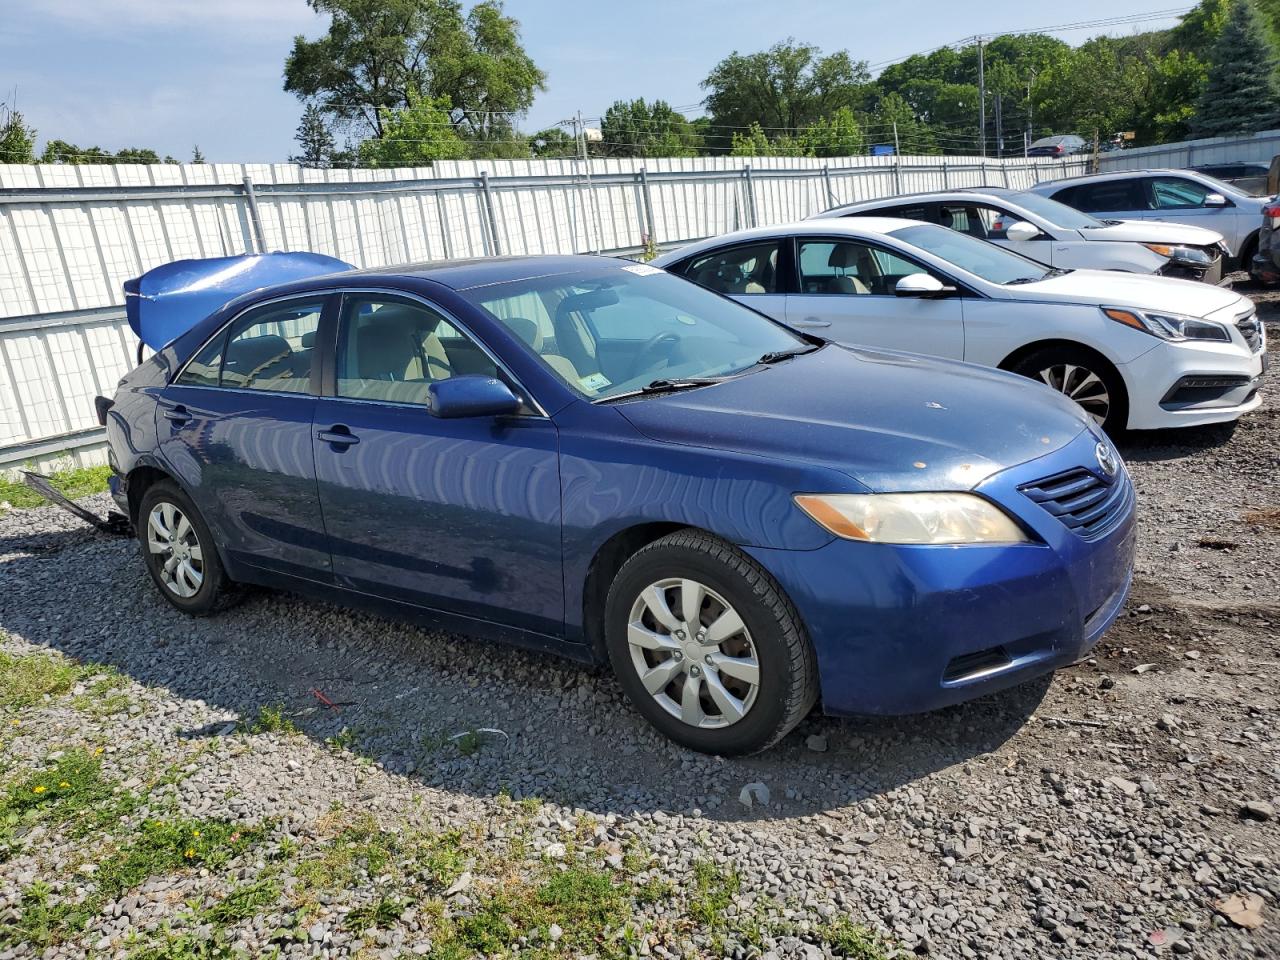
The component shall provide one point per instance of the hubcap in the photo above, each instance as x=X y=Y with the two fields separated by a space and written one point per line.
x=172 y=538
x=693 y=653
x=1082 y=385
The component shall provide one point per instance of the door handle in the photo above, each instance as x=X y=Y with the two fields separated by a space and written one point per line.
x=338 y=435
x=177 y=413
x=811 y=322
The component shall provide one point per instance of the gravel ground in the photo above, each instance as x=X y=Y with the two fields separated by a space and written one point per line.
x=282 y=780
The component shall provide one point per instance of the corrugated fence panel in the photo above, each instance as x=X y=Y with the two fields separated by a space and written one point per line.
x=70 y=236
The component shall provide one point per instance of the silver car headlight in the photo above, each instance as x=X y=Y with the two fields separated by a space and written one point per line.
x=921 y=518
x=1189 y=255
x=1169 y=326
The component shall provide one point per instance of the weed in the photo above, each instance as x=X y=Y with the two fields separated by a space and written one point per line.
x=270 y=719
x=713 y=891
x=381 y=913
x=28 y=679
x=243 y=902
x=344 y=739
x=850 y=940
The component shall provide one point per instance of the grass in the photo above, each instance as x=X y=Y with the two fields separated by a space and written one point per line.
x=74 y=483
x=713 y=891
x=270 y=719
x=28 y=679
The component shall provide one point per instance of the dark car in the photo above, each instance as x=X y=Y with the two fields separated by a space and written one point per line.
x=1249 y=177
x=597 y=458
x=1065 y=145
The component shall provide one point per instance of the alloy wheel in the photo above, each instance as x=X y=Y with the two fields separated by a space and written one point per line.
x=172 y=538
x=1081 y=385
x=693 y=653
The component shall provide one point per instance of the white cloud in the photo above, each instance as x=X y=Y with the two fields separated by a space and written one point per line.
x=294 y=14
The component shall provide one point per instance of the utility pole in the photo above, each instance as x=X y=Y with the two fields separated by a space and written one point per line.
x=1030 y=110
x=999 y=126
x=982 y=102
x=897 y=147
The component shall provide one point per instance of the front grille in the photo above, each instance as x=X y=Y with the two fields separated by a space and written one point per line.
x=1083 y=501
x=1250 y=328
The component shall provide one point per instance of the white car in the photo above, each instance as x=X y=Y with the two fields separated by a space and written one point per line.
x=1056 y=234
x=1176 y=196
x=1135 y=352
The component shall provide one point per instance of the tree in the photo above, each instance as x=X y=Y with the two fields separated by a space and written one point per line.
x=638 y=129
x=196 y=155
x=1175 y=82
x=378 y=53
x=1097 y=89
x=893 y=113
x=1240 y=95
x=839 y=135
x=553 y=143
x=17 y=140
x=414 y=135
x=314 y=139
x=783 y=89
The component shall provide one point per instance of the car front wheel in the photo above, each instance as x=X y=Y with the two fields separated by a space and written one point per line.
x=1083 y=376
x=707 y=647
x=179 y=552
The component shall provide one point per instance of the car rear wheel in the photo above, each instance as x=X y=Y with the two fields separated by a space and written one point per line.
x=1083 y=376
x=707 y=647
x=179 y=552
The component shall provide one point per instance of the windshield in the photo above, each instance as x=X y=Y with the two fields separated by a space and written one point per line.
x=1220 y=186
x=1059 y=214
x=986 y=260
x=613 y=331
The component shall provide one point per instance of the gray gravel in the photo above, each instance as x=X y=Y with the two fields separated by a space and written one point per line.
x=1103 y=813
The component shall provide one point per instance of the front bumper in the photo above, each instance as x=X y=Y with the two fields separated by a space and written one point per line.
x=905 y=629
x=1189 y=384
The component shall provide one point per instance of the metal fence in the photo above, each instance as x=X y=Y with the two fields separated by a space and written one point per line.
x=71 y=235
x=1255 y=148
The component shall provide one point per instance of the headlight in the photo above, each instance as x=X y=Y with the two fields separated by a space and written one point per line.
x=1181 y=254
x=911 y=517
x=1169 y=326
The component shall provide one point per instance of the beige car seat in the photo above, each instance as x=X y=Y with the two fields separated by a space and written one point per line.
x=843 y=256
x=529 y=331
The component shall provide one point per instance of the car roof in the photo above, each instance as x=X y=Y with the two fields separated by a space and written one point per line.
x=853 y=226
x=940 y=195
x=466 y=274
x=1113 y=175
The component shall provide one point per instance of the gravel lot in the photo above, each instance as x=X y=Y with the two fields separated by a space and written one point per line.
x=183 y=790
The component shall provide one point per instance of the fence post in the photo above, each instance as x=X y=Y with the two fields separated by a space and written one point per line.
x=897 y=171
x=751 y=196
x=495 y=247
x=1004 y=170
x=946 y=177
x=647 y=196
x=826 y=179
x=255 y=220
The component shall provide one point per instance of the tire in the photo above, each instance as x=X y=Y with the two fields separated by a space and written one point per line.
x=187 y=572
x=1247 y=250
x=1083 y=376
x=768 y=631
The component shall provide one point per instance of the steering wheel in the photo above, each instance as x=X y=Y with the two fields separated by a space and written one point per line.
x=658 y=343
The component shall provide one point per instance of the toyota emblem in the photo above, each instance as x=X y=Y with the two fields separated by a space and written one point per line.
x=1107 y=459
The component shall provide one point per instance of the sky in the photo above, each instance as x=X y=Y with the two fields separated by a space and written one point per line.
x=171 y=74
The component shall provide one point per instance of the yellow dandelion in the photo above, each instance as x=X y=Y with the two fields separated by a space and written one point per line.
x=16 y=723
x=63 y=785
x=190 y=853
x=195 y=833
x=98 y=752
x=38 y=789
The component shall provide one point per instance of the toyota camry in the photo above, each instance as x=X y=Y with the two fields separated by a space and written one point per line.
x=599 y=459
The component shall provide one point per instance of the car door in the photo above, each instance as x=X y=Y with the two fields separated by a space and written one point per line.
x=460 y=515
x=846 y=291
x=235 y=426
x=752 y=272
x=1181 y=200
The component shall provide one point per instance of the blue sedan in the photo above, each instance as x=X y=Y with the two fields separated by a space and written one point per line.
x=596 y=458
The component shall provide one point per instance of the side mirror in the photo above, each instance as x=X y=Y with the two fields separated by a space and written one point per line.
x=1215 y=200
x=1022 y=230
x=919 y=285
x=471 y=395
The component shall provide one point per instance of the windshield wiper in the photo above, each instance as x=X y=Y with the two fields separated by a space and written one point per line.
x=666 y=385
x=776 y=356
x=1017 y=280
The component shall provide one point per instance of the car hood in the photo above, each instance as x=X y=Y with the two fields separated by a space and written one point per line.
x=1113 y=288
x=892 y=421
x=1153 y=231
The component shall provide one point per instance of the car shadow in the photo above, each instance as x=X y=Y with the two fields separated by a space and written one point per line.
x=417 y=701
x=1144 y=446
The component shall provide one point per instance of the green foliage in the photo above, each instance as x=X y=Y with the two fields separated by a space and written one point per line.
x=27 y=679
x=782 y=90
x=379 y=57
x=848 y=939
x=74 y=483
x=713 y=891
x=1096 y=89
x=553 y=143
x=60 y=151
x=315 y=141
x=1241 y=95
x=639 y=129
x=839 y=135
x=17 y=140
x=271 y=719
x=414 y=135
x=196 y=155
